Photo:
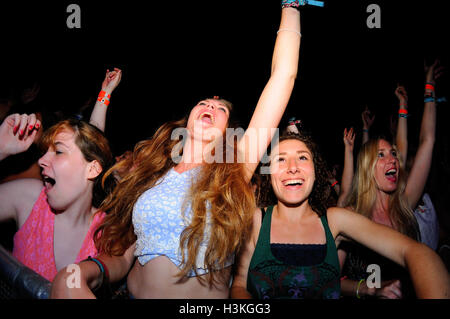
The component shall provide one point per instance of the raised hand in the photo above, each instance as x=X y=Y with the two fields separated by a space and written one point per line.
x=17 y=133
x=112 y=80
x=433 y=72
x=401 y=94
x=367 y=118
x=349 y=138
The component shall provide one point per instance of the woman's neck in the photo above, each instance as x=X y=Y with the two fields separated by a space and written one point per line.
x=80 y=211
x=192 y=155
x=293 y=213
x=380 y=210
x=381 y=202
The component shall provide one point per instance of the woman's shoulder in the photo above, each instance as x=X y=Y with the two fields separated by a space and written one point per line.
x=31 y=189
x=25 y=189
x=336 y=215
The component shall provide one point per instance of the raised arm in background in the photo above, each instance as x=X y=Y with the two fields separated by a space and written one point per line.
x=348 y=171
x=401 y=138
x=367 y=119
x=98 y=115
x=421 y=167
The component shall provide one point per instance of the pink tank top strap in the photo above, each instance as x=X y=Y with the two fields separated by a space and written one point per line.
x=33 y=242
x=88 y=248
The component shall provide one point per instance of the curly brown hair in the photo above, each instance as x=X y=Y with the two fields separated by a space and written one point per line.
x=320 y=193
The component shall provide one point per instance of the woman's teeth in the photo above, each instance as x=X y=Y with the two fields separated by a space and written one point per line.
x=293 y=182
x=391 y=172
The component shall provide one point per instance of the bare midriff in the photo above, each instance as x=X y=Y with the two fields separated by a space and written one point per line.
x=158 y=279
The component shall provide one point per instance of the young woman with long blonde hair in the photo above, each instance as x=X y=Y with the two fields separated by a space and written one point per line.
x=383 y=192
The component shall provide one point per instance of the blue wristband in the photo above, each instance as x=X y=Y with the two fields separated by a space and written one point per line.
x=441 y=99
x=99 y=264
x=429 y=99
x=297 y=3
x=315 y=3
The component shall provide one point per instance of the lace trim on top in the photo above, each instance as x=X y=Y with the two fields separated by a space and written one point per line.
x=299 y=254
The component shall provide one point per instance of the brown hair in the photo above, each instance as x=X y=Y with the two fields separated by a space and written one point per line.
x=363 y=195
x=93 y=145
x=220 y=185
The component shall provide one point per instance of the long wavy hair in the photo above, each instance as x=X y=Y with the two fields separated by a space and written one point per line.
x=321 y=190
x=219 y=186
x=93 y=145
x=364 y=191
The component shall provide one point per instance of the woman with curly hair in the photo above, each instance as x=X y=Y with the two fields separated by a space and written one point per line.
x=182 y=215
x=292 y=249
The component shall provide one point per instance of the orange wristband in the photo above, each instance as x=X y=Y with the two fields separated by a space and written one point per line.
x=403 y=111
x=104 y=94
x=104 y=97
x=103 y=100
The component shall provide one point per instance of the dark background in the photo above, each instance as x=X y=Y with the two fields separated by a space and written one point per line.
x=174 y=53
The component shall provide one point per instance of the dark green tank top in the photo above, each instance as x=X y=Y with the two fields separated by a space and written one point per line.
x=269 y=277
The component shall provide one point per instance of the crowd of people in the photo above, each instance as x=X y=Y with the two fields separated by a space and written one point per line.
x=166 y=221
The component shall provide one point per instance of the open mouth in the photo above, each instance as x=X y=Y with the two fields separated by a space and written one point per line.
x=391 y=175
x=293 y=183
x=48 y=182
x=207 y=117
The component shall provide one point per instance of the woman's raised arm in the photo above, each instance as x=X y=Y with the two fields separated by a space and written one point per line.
x=275 y=96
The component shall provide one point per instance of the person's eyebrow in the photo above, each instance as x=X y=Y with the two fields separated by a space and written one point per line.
x=58 y=143
x=298 y=152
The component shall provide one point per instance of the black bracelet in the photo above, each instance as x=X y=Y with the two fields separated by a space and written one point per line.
x=102 y=271
x=103 y=289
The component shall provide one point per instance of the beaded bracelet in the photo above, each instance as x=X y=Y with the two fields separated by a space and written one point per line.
x=297 y=3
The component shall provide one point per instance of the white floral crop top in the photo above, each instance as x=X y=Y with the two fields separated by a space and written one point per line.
x=158 y=220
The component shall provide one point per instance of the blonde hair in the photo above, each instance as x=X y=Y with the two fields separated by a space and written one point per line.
x=220 y=186
x=364 y=191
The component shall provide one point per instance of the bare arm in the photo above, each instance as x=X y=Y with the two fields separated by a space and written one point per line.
x=98 y=115
x=347 y=173
x=239 y=287
x=17 y=133
x=422 y=162
x=399 y=248
x=276 y=94
x=388 y=289
x=401 y=139
x=367 y=119
x=90 y=276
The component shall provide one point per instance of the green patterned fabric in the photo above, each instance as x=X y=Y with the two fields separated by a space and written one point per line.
x=269 y=278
